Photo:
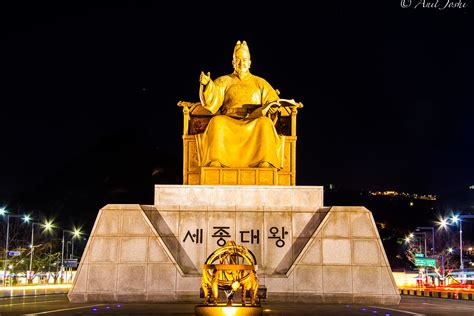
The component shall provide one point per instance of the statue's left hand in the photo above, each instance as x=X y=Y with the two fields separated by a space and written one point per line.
x=273 y=110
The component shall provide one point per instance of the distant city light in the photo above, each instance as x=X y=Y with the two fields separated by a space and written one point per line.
x=455 y=219
x=450 y=250
x=471 y=187
x=429 y=197
x=26 y=218
x=411 y=203
x=3 y=211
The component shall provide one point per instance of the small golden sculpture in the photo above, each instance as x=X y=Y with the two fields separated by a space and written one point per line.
x=230 y=268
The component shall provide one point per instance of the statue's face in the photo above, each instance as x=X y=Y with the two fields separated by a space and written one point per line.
x=241 y=61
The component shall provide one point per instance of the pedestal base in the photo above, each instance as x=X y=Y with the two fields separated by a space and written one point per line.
x=305 y=252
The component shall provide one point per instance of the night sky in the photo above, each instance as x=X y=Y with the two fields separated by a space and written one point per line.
x=89 y=91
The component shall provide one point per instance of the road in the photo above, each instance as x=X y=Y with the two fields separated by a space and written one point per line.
x=59 y=305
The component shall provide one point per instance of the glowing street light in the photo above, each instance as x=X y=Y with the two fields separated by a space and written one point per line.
x=454 y=219
x=450 y=250
x=458 y=219
x=4 y=213
x=411 y=236
x=76 y=232
x=48 y=226
x=443 y=223
x=26 y=218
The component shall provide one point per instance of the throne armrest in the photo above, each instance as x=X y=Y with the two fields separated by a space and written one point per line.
x=289 y=106
x=286 y=125
x=194 y=113
x=194 y=108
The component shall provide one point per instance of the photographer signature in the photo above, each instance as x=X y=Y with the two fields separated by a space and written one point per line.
x=437 y=4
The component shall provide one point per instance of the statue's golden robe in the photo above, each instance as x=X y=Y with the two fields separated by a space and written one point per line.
x=234 y=138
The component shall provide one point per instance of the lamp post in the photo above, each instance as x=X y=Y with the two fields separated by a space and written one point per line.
x=76 y=233
x=458 y=219
x=424 y=234
x=30 y=276
x=432 y=236
x=47 y=226
x=26 y=219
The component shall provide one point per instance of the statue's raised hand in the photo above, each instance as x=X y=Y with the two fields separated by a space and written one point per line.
x=204 y=79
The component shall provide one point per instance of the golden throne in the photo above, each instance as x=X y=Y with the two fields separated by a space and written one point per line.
x=195 y=120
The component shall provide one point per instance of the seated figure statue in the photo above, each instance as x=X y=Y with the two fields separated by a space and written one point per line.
x=242 y=135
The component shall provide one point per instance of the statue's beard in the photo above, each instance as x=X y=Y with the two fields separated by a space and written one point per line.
x=239 y=72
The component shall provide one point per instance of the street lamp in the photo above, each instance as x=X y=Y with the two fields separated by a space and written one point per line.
x=411 y=236
x=455 y=219
x=47 y=227
x=4 y=213
x=432 y=236
x=75 y=233
x=424 y=234
x=443 y=223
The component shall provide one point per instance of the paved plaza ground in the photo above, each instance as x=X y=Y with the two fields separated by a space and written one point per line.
x=59 y=305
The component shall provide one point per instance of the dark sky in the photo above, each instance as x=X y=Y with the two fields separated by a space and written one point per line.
x=89 y=91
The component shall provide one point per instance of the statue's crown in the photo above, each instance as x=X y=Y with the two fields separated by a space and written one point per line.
x=240 y=46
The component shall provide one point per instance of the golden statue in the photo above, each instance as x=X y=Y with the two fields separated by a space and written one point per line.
x=230 y=268
x=242 y=136
x=240 y=133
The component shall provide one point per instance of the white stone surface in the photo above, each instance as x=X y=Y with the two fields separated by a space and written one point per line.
x=337 y=279
x=366 y=252
x=362 y=225
x=313 y=254
x=104 y=249
x=133 y=249
x=337 y=251
x=131 y=278
x=161 y=277
x=309 y=278
x=228 y=196
x=338 y=226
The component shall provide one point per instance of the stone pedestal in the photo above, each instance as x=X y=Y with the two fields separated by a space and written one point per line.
x=305 y=252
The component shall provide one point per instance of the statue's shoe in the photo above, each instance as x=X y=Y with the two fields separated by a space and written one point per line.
x=264 y=164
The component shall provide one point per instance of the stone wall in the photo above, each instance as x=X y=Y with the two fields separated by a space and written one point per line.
x=155 y=253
